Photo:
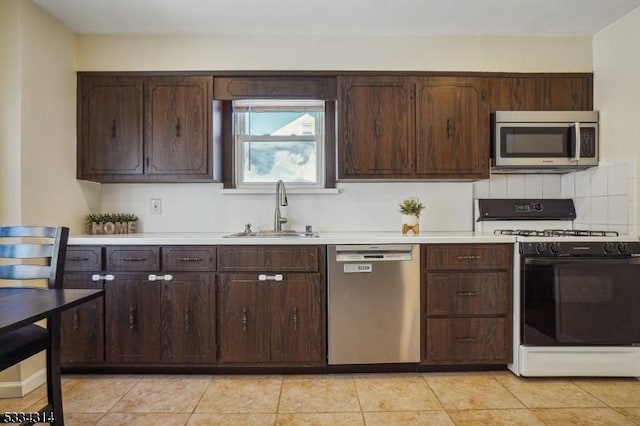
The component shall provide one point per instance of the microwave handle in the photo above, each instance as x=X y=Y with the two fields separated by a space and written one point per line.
x=578 y=141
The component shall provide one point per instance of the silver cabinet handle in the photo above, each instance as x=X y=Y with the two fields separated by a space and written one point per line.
x=276 y=277
x=98 y=277
x=166 y=277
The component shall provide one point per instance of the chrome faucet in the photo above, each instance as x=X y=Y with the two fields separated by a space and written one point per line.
x=281 y=200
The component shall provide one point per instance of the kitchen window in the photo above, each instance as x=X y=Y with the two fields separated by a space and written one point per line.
x=279 y=139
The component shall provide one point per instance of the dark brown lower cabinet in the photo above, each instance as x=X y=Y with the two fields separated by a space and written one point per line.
x=82 y=327
x=188 y=312
x=467 y=316
x=273 y=320
x=169 y=320
x=132 y=320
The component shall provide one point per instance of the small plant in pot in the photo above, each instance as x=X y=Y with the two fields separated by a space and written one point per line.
x=111 y=223
x=411 y=208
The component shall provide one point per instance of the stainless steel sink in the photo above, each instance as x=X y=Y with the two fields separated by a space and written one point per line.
x=273 y=234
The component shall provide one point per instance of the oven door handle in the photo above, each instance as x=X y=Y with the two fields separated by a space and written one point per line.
x=582 y=260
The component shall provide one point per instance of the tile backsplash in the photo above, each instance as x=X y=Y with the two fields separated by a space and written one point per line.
x=604 y=196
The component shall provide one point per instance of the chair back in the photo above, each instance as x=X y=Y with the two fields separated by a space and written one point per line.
x=33 y=253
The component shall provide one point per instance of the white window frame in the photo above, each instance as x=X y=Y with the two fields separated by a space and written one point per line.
x=278 y=105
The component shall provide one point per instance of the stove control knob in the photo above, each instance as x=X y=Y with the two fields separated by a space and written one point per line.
x=541 y=248
x=554 y=248
x=608 y=247
x=622 y=247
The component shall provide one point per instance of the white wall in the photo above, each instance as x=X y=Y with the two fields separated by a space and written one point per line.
x=302 y=52
x=10 y=82
x=616 y=66
x=37 y=138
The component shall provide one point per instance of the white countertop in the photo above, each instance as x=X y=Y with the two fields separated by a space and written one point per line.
x=218 y=238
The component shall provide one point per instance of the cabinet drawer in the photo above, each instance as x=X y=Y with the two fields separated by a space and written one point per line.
x=188 y=258
x=468 y=256
x=464 y=293
x=83 y=258
x=132 y=258
x=266 y=259
x=467 y=341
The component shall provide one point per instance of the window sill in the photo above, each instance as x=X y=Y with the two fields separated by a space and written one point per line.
x=243 y=191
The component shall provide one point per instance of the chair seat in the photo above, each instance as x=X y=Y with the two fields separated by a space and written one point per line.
x=22 y=343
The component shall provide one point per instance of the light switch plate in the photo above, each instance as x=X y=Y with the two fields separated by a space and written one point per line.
x=156 y=206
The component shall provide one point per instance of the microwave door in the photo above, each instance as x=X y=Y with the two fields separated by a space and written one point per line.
x=534 y=145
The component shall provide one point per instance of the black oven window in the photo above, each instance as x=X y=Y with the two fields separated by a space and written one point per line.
x=581 y=303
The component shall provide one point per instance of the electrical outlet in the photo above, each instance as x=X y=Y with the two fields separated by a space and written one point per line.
x=156 y=206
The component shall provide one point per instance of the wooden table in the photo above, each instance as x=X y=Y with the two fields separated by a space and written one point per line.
x=20 y=306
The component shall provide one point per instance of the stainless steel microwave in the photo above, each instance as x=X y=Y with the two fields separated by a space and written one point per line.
x=543 y=141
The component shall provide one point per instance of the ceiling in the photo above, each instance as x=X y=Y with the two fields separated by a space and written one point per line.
x=339 y=17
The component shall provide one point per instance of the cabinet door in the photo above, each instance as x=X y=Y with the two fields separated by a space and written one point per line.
x=568 y=94
x=296 y=322
x=376 y=127
x=82 y=327
x=110 y=126
x=132 y=320
x=243 y=319
x=452 y=122
x=188 y=318
x=178 y=119
x=515 y=93
x=544 y=93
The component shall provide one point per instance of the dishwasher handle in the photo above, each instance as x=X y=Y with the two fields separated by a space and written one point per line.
x=374 y=253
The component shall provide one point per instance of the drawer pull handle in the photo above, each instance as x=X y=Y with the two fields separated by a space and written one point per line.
x=187 y=320
x=466 y=339
x=76 y=320
x=295 y=318
x=134 y=259
x=190 y=259
x=244 y=319
x=77 y=259
x=98 y=277
x=167 y=277
x=276 y=277
x=469 y=257
x=467 y=293
x=132 y=319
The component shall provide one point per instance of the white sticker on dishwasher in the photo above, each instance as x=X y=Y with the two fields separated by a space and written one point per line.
x=350 y=268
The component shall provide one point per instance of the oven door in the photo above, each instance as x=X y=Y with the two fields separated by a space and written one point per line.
x=580 y=301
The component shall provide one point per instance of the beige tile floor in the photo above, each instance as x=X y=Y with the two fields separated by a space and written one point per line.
x=491 y=398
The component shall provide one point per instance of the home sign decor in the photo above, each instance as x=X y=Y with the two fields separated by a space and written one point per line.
x=111 y=223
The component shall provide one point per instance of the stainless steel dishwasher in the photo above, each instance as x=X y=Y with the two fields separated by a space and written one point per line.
x=374 y=303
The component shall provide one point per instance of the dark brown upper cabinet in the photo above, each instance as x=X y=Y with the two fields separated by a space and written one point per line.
x=376 y=135
x=416 y=128
x=145 y=128
x=452 y=128
x=545 y=92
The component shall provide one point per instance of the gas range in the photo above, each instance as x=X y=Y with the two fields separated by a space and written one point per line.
x=544 y=227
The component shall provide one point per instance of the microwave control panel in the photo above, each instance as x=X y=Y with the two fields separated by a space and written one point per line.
x=588 y=142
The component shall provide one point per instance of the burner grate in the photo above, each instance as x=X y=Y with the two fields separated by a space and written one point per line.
x=555 y=233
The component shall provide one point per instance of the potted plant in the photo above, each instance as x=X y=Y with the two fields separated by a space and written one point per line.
x=111 y=223
x=411 y=208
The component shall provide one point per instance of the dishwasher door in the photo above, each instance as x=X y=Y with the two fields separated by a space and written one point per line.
x=374 y=304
